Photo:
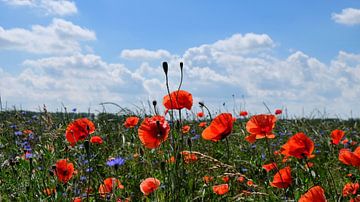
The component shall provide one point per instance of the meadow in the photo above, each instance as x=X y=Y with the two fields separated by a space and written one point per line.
x=188 y=153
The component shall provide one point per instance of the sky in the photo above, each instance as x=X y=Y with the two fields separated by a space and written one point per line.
x=302 y=56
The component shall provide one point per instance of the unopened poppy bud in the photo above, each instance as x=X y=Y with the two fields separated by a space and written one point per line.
x=87 y=146
x=162 y=165
x=154 y=103
x=201 y=104
x=165 y=67
x=181 y=66
x=189 y=142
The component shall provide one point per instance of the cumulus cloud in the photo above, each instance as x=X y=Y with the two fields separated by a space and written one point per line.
x=237 y=70
x=60 y=37
x=348 y=16
x=50 y=7
x=143 y=54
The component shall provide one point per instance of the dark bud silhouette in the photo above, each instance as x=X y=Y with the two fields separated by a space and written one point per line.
x=165 y=67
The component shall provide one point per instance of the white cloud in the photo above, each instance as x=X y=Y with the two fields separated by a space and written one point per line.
x=50 y=7
x=60 y=37
x=143 y=54
x=242 y=65
x=348 y=16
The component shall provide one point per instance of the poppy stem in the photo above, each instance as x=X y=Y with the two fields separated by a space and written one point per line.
x=227 y=149
x=313 y=178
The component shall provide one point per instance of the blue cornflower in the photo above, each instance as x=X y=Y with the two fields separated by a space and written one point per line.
x=115 y=162
x=18 y=133
x=195 y=137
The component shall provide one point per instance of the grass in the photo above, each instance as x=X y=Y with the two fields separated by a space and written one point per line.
x=24 y=179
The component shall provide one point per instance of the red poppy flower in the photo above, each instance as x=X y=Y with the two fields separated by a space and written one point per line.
x=202 y=124
x=219 y=128
x=200 y=114
x=350 y=189
x=282 y=178
x=79 y=130
x=350 y=158
x=316 y=193
x=189 y=157
x=260 y=126
x=278 y=111
x=179 y=99
x=243 y=113
x=153 y=131
x=298 y=146
x=225 y=179
x=64 y=170
x=96 y=140
x=149 y=185
x=131 y=122
x=185 y=129
x=109 y=185
x=207 y=179
x=336 y=136
x=221 y=189
x=250 y=183
x=27 y=132
x=241 y=179
x=269 y=167
x=77 y=199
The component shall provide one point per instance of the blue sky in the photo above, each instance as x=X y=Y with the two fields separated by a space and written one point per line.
x=318 y=39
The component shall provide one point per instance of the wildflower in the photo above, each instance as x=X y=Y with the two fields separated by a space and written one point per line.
x=278 y=111
x=241 y=179
x=115 y=162
x=49 y=191
x=178 y=100
x=131 y=122
x=221 y=189
x=64 y=170
x=109 y=185
x=185 y=129
x=336 y=136
x=200 y=114
x=77 y=199
x=27 y=132
x=350 y=158
x=243 y=113
x=225 y=179
x=202 y=124
x=153 y=131
x=298 y=146
x=316 y=193
x=250 y=183
x=219 y=128
x=282 y=178
x=149 y=185
x=207 y=179
x=79 y=130
x=269 y=167
x=189 y=157
x=260 y=126
x=171 y=160
x=350 y=189
x=96 y=140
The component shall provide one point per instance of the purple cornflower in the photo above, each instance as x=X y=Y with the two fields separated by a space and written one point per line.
x=195 y=137
x=115 y=162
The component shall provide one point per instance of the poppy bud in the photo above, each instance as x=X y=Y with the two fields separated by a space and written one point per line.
x=201 y=104
x=141 y=152
x=181 y=66
x=162 y=166
x=154 y=103
x=87 y=146
x=189 y=142
x=165 y=67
